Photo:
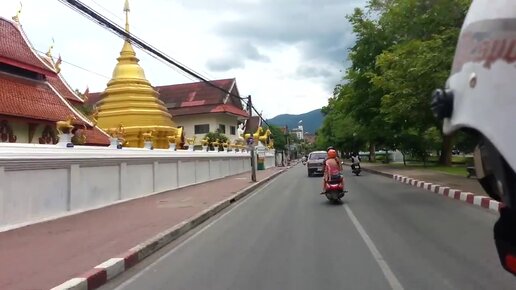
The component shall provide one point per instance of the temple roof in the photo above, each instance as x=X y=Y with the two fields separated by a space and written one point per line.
x=194 y=94
x=17 y=50
x=205 y=109
x=32 y=99
x=201 y=98
x=64 y=89
x=252 y=124
x=38 y=100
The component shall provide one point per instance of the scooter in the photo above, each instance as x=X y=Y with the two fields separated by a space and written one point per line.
x=334 y=189
x=356 y=169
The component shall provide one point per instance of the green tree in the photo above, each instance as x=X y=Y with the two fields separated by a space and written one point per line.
x=424 y=35
x=278 y=136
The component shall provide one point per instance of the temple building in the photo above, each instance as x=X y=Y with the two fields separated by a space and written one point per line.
x=34 y=95
x=130 y=102
x=200 y=108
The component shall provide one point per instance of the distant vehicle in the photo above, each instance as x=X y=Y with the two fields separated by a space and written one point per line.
x=315 y=163
x=455 y=151
x=356 y=169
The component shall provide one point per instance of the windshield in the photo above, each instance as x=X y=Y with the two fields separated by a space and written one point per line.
x=314 y=156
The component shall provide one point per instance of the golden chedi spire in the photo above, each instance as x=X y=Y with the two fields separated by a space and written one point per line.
x=130 y=99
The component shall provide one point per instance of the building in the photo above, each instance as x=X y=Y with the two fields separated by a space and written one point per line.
x=34 y=95
x=309 y=138
x=200 y=108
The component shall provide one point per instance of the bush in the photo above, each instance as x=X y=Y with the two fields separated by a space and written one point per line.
x=213 y=136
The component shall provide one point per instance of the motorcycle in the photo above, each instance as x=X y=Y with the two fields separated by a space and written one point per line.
x=356 y=169
x=334 y=189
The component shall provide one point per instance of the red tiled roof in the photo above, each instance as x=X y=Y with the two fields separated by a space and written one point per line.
x=252 y=124
x=93 y=98
x=15 y=48
x=60 y=86
x=206 y=109
x=194 y=94
x=94 y=136
x=32 y=99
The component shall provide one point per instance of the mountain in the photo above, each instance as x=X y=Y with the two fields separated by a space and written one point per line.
x=312 y=120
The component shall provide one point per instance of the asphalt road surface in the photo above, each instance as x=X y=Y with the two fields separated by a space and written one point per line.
x=385 y=235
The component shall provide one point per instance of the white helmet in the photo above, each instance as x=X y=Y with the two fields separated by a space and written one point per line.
x=480 y=96
x=480 y=93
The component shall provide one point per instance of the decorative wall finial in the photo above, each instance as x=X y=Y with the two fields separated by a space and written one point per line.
x=16 y=17
x=49 y=52
x=58 y=64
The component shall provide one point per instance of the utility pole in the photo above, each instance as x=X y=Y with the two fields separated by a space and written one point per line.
x=288 y=144
x=253 y=155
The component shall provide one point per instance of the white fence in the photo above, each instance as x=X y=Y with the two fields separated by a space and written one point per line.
x=43 y=182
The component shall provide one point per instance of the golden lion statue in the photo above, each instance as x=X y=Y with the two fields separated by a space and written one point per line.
x=65 y=127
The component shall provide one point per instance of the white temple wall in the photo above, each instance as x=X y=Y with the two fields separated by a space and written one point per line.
x=50 y=182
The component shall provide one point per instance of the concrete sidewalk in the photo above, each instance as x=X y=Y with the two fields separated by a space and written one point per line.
x=44 y=255
x=449 y=180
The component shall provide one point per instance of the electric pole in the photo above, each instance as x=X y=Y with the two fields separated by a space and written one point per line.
x=253 y=155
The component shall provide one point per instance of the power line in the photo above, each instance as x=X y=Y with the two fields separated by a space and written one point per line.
x=119 y=31
x=80 y=67
x=136 y=27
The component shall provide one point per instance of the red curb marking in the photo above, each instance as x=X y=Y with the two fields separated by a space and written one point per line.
x=436 y=190
x=429 y=186
x=485 y=202
x=95 y=277
x=446 y=191
x=130 y=259
x=457 y=194
x=469 y=198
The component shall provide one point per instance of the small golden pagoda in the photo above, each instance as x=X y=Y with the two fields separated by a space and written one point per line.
x=130 y=99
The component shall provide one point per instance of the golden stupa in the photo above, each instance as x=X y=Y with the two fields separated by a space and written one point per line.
x=131 y=100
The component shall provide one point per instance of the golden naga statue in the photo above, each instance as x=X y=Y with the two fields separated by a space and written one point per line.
x=171 y=139
x=118 y=132
x=147 y=136
x=215 y=143
x=225 y=144
x=256 y=135
x=191 y=141
x=205 y=142
x=81 y=138
x=65 y=127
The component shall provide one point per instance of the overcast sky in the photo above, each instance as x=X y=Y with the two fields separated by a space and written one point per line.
x=287 y=54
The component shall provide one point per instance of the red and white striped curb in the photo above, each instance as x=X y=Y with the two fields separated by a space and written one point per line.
x=481 y=201
x=106 y=271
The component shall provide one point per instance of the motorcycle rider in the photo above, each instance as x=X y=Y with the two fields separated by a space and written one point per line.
x=333 y=168
x=479 y=97
x=355 y=161
x=336 y=157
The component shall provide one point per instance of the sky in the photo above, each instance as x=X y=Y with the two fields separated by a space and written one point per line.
x=287 y=54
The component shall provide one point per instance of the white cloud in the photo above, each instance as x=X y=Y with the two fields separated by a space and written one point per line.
x=288 y=65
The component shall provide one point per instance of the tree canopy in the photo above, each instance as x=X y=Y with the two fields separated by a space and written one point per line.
x=403 y=51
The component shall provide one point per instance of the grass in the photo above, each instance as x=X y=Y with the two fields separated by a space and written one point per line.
x=459 y=170
x=458 y=167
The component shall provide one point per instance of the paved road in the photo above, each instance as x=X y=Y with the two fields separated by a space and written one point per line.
x=385 y=235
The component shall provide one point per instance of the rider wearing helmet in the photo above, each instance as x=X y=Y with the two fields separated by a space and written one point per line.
x=332 y=167
x=479 y=96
